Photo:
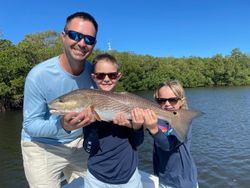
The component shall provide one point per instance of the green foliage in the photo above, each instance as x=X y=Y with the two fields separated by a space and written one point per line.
x=13 y=69
x=140 y=72
x=17 y=60
x=40 y=46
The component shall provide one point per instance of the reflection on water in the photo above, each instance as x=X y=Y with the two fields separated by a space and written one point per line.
x=11 y=168
x=220 y=145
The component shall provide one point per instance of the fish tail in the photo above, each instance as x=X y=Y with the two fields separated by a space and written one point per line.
x=182 y=120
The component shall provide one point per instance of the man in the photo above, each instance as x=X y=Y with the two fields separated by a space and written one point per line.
x=53 y=144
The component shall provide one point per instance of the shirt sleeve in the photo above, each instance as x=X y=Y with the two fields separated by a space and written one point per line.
x=137 y=137
x=37 y=121
x=166 y=142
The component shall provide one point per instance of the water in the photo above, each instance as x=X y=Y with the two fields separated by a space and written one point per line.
x=220 y=145
x=11 y=169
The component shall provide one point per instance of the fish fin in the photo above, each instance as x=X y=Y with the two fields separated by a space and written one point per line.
x=182 y=121
x=97 y=117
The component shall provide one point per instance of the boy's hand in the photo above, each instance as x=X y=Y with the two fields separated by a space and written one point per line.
x=120 y=119
x=137 y=115
x=150 y=121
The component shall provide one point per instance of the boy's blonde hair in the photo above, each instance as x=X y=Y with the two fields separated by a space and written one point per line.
x=106 y=57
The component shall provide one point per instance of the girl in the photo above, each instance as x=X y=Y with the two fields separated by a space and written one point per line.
x=172 y=160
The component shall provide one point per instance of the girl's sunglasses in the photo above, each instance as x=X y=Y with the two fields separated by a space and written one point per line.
x=172 y=101
x=76 y=36
x=102 y=75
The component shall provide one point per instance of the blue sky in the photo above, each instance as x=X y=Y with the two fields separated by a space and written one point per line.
x=155 y=27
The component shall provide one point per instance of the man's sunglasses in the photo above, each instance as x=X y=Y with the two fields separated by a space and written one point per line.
x=102 y=75
x=172 y=101
x=76 y=36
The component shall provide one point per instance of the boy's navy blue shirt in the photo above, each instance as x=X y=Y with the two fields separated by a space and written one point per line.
x=172 y=159
x=113 y=154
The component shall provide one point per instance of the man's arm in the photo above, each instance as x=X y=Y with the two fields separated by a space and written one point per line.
x=37 y=121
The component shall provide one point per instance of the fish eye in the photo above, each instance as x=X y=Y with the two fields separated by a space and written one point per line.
x=174 y=112
x=60 y=100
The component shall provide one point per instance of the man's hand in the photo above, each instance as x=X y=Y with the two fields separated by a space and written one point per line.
x=74 y=120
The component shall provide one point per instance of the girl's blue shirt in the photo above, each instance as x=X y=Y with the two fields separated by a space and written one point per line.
x=172 y=160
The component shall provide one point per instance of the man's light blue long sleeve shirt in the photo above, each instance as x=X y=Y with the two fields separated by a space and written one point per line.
x=45 y=82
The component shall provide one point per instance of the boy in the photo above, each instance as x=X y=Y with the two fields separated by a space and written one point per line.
x=113 y=156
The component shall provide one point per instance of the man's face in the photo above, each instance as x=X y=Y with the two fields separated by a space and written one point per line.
x=78 y=50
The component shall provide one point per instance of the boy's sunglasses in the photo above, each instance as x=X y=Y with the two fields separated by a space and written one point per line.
x=76 y=36
x=102 y=75
x=172 y=101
